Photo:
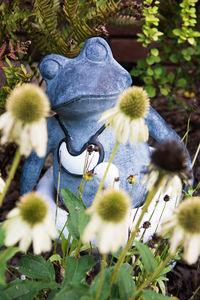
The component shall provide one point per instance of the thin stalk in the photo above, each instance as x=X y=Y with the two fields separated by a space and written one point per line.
x=186 y=134
x=129 y=244
x=135 y=264
x=195 y=292
x=68 y=243
x=100 y=282
x=151 y=277
x=196 y=154
x=56 y=243
x=5 y=252
x=131 y=190
x=11 y=174
x=161 y=216
x=78 y=248
x=104 y=177
x=58 y=188
x=150 y=219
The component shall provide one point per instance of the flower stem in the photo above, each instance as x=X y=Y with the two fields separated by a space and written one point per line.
x=129 y=244
x=151 y=277
x=78 y=248
x=195 y=292
x=100 y=282
x=11 y=174
x=5 y=252
x=104 y=177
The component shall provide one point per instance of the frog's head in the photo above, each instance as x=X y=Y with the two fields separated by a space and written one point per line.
x=94 y=76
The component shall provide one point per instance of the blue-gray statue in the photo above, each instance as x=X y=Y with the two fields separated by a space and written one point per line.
x=80 y=90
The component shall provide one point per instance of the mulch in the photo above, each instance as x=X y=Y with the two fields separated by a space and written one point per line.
x=183 y=279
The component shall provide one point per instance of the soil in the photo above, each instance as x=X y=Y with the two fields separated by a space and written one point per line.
x=183 y=279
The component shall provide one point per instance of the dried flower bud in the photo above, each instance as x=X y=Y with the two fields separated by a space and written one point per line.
x=131 y=179
x=146 y=224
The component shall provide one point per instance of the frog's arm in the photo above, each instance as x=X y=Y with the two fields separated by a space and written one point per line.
x=161 y=132
x=33 y=164
x=158 y=128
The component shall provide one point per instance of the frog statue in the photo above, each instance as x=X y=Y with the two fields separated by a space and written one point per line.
x=80 y=90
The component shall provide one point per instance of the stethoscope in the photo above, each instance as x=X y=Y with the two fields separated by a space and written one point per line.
x=75 y=162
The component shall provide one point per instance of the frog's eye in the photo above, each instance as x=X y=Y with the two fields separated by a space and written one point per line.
x=49 y=69
x=51 y=64
x=96 y=52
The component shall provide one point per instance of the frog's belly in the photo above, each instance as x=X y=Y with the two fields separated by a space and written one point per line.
x=128 y=160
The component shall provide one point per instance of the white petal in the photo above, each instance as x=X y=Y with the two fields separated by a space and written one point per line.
x=93 y=226
x=134 y=132
x=13 y=213
x=107 y=114
x=50 y=227
x=26 y=240
x=6 y=124
x=112 y=237
x=39 y=137
x=15 y=230
x=191 y=249
x=25 y=142
x=144 y=131
x=16 y=131
x=176 y=239
x=41 y=240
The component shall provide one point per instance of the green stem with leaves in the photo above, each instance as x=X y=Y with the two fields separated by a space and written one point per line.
x=11 y=174
x=100 y=282
x=129 y=244
x=152 y=277
x=5 y=252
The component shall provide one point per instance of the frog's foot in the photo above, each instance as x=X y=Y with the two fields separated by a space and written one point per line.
x=112 y=177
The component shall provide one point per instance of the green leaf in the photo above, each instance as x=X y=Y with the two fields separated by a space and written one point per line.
x=149 y=72
x=164 y=91
x=150 y=60
x=106 y=286
x=2 y=235
x=154 y=52
x=36 y=267
x=150 y=295
x=182 y=83
x=77 y=219
x=76 y=268
x=125 y=282
x=177 y=32
x=3 y=295
x=5 y=255
x=141 y=64
x=147 y=257
x=28 y=289
x=55 y=257
x=72 y=292
x=151 y=91
x=171 y=77
x=65 y=244
x=135 y=72
x=174 y=58
x=159 y=71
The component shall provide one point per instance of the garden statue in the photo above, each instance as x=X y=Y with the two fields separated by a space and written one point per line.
x=80 y=90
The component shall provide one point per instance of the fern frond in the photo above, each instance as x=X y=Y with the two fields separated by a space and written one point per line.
x=47 y=10
x=70 y=9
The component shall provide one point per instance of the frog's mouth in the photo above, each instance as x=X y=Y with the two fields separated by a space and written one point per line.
x=86 y=104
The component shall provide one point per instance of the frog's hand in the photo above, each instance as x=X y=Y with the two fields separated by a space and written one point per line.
x=33 y=164
x=161 y=132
